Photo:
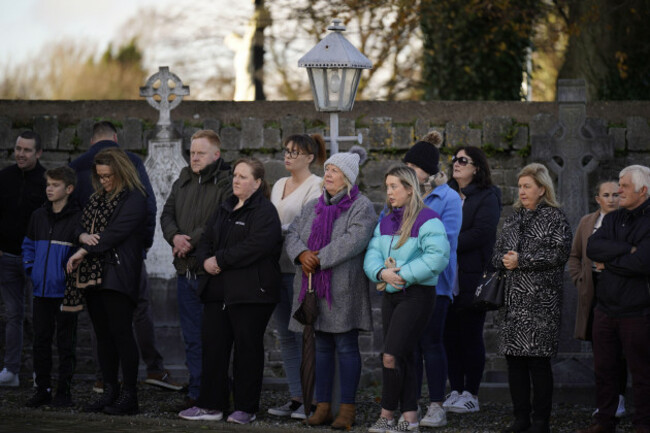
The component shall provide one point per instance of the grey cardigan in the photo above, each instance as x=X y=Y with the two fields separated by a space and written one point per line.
x=344 y=254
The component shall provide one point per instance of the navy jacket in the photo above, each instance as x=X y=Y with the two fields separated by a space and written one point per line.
x=623 y=288
x=48 y=244
x=84 y=168
x=21 y=193
x=120 y=245
x=478 y=232
x=247 y=244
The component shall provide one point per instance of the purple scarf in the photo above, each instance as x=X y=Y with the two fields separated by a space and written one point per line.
x=320 y=236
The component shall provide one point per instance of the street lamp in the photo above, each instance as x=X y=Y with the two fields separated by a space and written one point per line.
x=334 y=66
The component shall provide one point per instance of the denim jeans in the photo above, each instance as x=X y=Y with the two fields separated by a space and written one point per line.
x=346 y=345
x=431 y=349
x=290 y=342
x=190 y=312
x=12 y=289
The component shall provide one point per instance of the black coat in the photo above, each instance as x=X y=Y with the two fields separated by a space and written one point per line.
x=481 y=211
x=121 y=244
x=21 y=193
x=246 y=243
x=623 y=288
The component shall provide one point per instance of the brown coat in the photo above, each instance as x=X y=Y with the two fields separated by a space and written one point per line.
x=580 y=268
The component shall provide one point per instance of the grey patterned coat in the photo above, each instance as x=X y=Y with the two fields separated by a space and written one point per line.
x=529 y=322
x=344 y=254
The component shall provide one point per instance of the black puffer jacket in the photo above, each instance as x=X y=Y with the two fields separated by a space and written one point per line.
x=246 y=243
x=623 y=288
x=481 y=211
x=121 y=244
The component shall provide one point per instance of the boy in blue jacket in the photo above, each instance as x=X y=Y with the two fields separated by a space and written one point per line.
x=49 y=242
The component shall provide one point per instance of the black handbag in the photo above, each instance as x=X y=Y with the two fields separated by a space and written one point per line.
x=490 y=292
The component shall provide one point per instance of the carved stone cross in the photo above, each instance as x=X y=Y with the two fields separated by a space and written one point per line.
x=573 y=148
x=168 y=84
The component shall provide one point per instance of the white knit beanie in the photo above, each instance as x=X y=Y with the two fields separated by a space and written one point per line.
x=348 y=162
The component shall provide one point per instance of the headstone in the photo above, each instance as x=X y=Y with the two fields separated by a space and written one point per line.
x=169 y=97
x=572 y=148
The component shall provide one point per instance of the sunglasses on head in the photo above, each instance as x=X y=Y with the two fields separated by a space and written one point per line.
x=461 y=160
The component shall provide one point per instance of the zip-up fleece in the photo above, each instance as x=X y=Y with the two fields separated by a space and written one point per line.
x=191 y=202
x=48 y=244
x=421 y=258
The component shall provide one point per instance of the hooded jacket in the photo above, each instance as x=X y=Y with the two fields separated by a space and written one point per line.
x=21 y=193
x=623 y=288
x=191 y=202
x=48 y=244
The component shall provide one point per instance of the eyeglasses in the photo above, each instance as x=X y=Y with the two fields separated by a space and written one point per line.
x=293 y=154
x=461 y=160
x=105 y=176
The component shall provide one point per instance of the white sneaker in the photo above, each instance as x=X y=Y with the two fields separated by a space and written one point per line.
x=466 y=403
x=451 y=399
x=7 y=378
x=286 y=409
x=382 y=425
x=435 y=417
x=300 y=412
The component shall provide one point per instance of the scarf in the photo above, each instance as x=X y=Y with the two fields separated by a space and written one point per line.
x=320 y=236
x=94 y=219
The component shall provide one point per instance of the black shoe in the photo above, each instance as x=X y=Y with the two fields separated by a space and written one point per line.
x=62 y=399
x=539 y=426
x=41 y=397
x=126 y=404
x=519 y=425
x=108 y=397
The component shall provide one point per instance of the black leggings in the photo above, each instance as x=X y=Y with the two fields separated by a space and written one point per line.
x=522 y=371
x=111 y=313
x=405 y=315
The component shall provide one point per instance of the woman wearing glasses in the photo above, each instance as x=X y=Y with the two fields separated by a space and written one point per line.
x=289 y=195
x=464 y=326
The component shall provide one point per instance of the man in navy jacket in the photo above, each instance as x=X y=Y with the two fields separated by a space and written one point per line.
x=620 y=248
x=105 y=136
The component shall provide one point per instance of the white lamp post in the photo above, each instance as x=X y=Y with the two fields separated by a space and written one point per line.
x=334 y=66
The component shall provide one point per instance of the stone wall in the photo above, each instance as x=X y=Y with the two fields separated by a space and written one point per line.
x=502 y=129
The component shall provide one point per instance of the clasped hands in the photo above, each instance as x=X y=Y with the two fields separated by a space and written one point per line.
x=510 y=260
x=391 y=276
x=182 y=246
x=309 y=261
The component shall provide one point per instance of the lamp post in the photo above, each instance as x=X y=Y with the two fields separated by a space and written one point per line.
x=334 y=66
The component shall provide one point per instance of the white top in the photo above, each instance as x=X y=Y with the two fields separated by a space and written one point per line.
x=290 y=206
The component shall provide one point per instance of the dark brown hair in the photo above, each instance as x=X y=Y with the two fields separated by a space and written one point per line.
x=64 y=173
x=310 y=144
x=257 y=169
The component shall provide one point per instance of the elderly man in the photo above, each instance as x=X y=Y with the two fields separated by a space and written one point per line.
x=22 y=190
x=621 y=250
x=195 y=195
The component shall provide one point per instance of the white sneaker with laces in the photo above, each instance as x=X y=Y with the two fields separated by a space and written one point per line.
x=300 y=412
x=7 y=378
x=286 y=409
x=466 y=403
x=451 y=399
x=435 y=417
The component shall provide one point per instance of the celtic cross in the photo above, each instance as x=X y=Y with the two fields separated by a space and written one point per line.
x=168 y=84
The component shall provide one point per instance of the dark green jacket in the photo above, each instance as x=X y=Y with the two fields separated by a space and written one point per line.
x=191 y=202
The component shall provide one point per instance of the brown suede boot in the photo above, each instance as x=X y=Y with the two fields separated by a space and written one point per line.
x=322 y=415
x=345 y=418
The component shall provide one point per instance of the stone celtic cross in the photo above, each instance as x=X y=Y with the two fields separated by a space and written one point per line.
x=169 y=84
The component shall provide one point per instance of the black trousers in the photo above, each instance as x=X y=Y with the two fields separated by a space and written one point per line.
x=48 y=319
x=405 y=315
x=241 y=326
x=522 y=371
x=111 y=313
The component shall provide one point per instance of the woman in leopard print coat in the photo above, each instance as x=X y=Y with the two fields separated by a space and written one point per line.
x=532 y=250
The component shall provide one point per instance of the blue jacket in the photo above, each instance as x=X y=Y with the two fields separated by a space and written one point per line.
x=48 y=244
x=84 y=166
x=421 y=258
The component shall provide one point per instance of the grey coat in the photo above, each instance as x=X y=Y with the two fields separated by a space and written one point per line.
x=344 y=254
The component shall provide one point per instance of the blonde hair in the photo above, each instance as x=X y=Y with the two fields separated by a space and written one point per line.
x=539 y=173
x=124 y=172
x=412 y=208
x=212 y=136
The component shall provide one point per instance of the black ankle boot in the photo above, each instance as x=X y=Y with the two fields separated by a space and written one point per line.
x=540 y=426
x=108 y=397
x=126 y=404
x=519 y=425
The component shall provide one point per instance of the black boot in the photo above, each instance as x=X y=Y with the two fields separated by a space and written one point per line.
x=126 y=404
x=540 y=426
x=519 y=425
x=41 y=397
x=108 y=397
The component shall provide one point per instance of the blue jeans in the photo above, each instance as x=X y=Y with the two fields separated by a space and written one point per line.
x=432 y=349
x=346 y=345
x=12 y=290
x=290 y=342
x=190 y=312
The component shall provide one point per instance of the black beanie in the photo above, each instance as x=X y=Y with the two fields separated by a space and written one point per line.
x=425 y=153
